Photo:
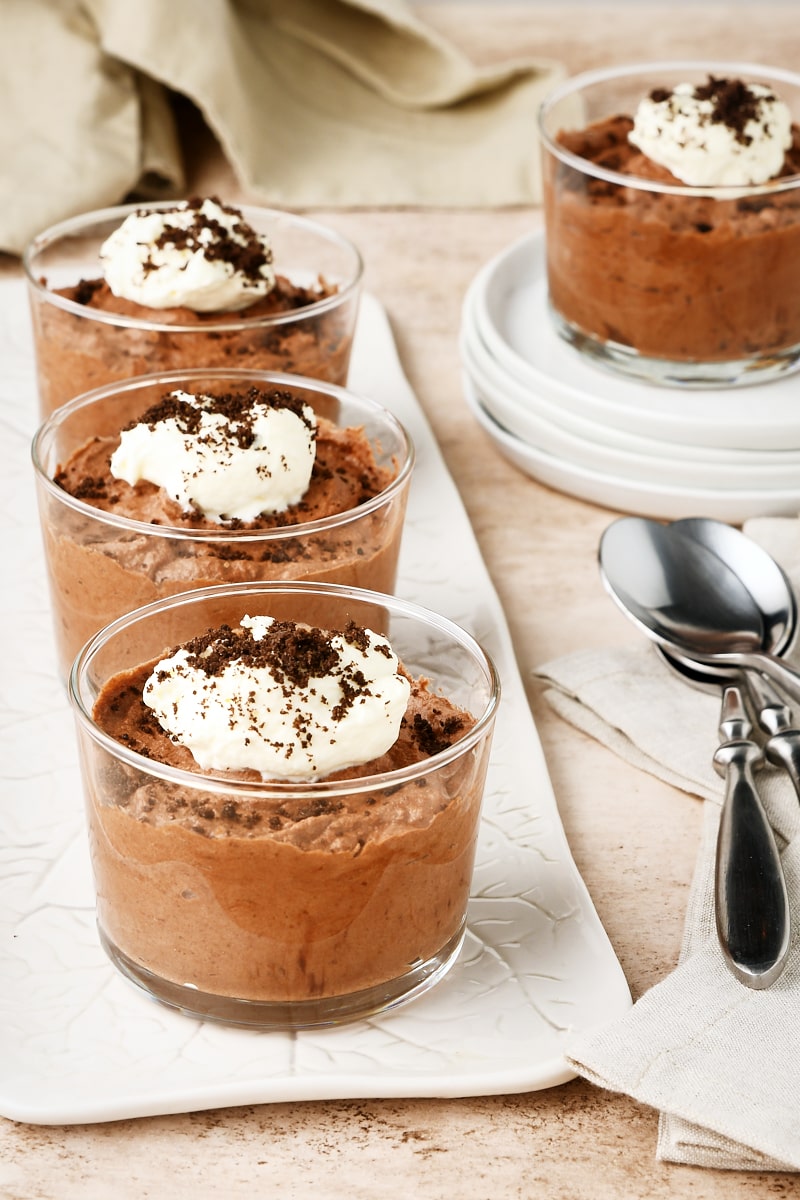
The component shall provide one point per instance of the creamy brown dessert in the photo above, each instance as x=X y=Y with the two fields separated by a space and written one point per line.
x=344 y=475
x=93 y=331
x=345 y=527
x=76 y=356
x=671 y=275
x=294 y=896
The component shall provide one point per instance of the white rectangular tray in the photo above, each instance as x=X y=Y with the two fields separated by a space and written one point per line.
x=80 y=1044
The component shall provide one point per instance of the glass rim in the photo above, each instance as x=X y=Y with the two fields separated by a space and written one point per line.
x=223 y=533
x=49 y=236
x=577 y=83
x=210 y=781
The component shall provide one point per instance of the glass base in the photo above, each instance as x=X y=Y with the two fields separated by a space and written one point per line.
x=620 y=359
x=289 y=1015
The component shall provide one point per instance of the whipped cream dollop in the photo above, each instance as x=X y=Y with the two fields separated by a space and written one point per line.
x=201 y=255
x=718 y=134
x=229 y=457
x=286 y=700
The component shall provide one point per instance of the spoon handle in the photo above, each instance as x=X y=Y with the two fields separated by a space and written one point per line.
x=782 y=747
x=752 y=904
x=774 y=668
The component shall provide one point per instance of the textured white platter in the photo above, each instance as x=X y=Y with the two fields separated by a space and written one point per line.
x=80 y=1044
x=509 y=296
x=647 y=499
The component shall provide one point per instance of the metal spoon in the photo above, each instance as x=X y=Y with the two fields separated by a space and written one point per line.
x=773 y=594
x=782 y=746
x=764 y=579
x=751 y=902
x=677 y=580
x=687 y=599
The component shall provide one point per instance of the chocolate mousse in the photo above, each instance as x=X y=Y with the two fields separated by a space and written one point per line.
x=344 y=475
x=293 y=896
x=707 y=277
x=101 y=565
x=95 y=330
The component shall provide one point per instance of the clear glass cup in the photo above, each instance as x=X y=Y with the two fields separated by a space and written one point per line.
x=668 y=283
x=284 y=905
x=101 y=565
x=79 y=348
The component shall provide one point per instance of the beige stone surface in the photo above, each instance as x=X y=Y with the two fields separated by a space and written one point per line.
x=634 y=839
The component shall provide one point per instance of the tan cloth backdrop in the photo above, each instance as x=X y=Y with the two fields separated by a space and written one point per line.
x=315 y=103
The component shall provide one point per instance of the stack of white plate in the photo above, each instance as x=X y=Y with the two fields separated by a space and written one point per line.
x=664 y=452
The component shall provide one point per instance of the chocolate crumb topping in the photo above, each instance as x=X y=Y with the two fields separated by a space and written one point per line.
x=236 y=407
x=734 y=104
x=86 y=290
x=90 y=487
x=431 y=740
x=292 y=653
x=244 y=252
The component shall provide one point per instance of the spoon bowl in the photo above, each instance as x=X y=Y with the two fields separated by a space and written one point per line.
x=687 y=599
x=757 y=570
x=764 y=579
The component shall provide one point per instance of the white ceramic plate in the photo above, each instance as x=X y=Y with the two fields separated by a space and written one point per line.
x=530 y=408
x=510 y=298
x=78 y=1043
x=626 y=495
x=541 y=434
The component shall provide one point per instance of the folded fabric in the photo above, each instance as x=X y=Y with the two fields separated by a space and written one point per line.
x=314 y=102
x=718 y=1060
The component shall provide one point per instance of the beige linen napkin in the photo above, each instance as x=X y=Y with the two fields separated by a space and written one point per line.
x=719 y=1061
x=315 y=103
